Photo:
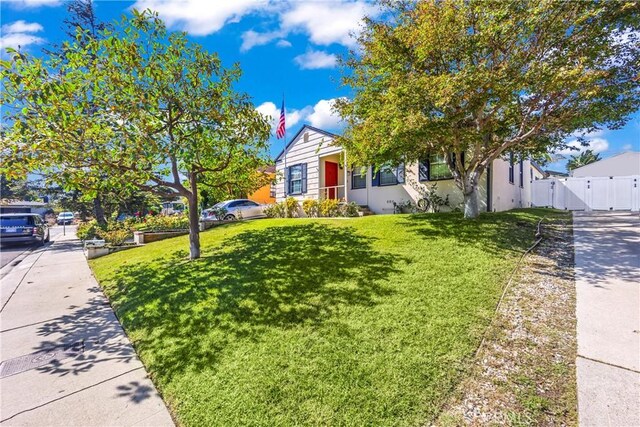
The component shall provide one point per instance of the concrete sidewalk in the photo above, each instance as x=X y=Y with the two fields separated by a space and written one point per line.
x=607 y=267
x=65 y=358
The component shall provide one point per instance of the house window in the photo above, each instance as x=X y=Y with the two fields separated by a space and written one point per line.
x=511 y=168
x=272 y=190
x=358 y=178
x=389 y=175
x=434 y=168
x=521 y=171
x=295 y=179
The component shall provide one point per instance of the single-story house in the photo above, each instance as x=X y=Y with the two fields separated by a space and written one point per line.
x=312 y=167
x=625 y=164
x=22 y=206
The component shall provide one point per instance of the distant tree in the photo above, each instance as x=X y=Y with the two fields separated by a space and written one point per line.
x=486 y=78
x=582 y=159
x=20 y=189
x=82 y=25
x=135 y=109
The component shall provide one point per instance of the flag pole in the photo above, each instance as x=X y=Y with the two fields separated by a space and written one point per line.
x=284 y=138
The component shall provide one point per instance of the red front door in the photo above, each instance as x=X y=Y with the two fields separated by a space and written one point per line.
x=331 y=178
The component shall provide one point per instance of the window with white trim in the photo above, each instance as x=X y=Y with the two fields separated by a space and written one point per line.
x=358 y=178
x=295 y=179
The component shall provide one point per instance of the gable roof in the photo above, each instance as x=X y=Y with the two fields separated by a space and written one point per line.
x=324 y=132
x=537 y=167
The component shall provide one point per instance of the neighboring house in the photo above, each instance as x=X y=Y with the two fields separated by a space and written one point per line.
x=555 y=174
x=267 y=193
x=20 y=206
x=312 y=167
x=625 y=164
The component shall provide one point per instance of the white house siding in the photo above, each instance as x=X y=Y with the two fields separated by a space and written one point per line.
x=506 y=195
x=307 y=148
x=380 y=198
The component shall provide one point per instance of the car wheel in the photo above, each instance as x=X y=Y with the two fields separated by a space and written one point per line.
x=229 y=217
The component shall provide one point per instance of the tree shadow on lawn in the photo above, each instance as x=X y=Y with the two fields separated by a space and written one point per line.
x=279 y=277
x=495 y=232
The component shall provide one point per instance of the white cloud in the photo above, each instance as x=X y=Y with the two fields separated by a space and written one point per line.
x=319 y=115
x=627 y=147
x=593 y=134
x=18 y=35
x=323 y=116
x=283 y=43
x=251 y=38
x=201 y=17
x=22 y=27
x=292 y=117
x=597 y=145
x=327 y=22
x=314 y=59
x=32 y=4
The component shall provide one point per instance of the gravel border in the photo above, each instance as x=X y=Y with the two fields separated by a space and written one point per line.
x=524 y=374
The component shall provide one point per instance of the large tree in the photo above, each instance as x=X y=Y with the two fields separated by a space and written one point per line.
x=486 y=78
x=138 y=108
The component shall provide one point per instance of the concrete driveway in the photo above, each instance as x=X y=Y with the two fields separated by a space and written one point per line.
x=607 y=267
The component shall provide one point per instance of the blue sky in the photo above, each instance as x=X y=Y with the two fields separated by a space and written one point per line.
x=283 y=47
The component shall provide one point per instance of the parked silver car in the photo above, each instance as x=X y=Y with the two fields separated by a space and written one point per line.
x=235 y=209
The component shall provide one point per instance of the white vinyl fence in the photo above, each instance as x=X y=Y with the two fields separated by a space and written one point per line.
x=617 y=193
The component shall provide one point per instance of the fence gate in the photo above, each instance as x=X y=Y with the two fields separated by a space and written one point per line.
x=617 y=193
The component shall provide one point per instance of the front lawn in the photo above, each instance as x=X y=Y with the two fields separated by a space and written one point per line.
x=365 y=321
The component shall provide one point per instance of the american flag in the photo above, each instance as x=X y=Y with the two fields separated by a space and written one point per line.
x=280 y=128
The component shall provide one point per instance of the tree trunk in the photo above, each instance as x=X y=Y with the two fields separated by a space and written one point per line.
x=470 y=193
x=194 y=220
x=98 y=211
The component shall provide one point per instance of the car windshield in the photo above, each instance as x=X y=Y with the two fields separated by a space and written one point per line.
x=66 y=214
x=16 y=221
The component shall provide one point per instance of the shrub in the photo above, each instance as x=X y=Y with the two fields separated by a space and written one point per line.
x=88 y=230
x=163 y=223
x=310 y=207
x=329 y=208
x=350 y=209
x=291 y=207
x=274 y=210
x=115 y=237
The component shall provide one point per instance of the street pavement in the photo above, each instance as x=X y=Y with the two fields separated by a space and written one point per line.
x=65 y=359
x=9 y=252
x=607 y=267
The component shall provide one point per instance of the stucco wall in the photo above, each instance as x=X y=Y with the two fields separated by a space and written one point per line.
x=505 y=195
x=380 y=199
x=625 y=164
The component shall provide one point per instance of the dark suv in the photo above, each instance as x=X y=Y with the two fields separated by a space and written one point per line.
x=23 y=228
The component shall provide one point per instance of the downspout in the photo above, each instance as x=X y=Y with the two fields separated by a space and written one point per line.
x=489 y=187
x=346 y=197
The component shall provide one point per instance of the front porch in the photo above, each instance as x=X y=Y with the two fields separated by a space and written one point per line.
x=332 y=177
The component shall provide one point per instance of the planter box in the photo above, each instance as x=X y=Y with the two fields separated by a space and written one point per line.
x=206 y=224
x=142 y=237
x=96 y=251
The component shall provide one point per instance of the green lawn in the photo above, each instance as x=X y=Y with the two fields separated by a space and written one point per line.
x=365 y=321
